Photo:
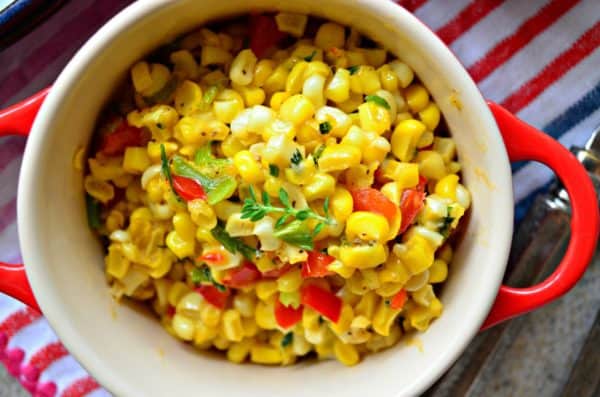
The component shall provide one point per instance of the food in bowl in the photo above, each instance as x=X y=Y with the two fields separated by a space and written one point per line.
x=274 y=186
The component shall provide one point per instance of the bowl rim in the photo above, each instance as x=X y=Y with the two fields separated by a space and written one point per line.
x=116 y=26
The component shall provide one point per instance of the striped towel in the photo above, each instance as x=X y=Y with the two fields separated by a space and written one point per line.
x=539 y=58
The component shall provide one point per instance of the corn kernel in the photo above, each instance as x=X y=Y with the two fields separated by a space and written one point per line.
x=290 y=281
x=140 y=76
x=188 y=98
x=297 y=109
x=210 y=315
x=262 y=354
x=248 y=168
x=245 y=304
x=431 y=164
x=365 y=81
x=339 y=157
x=215 y=56
x=384 y=318
x=430 y=116
x=277 y=80
x=405 y=138
x=389 y=79
x=367 y=226
x=100 y=190
x=183 y=327
x=295 y=80
x=346 y=353
x=232 y=325
x=321 y=186
x=177 y=291
x=341 y=204
x=418 y=255
x=265 y=316
x=330 y=35
x=264 y=68
x=338 y=88
x=238 y=352
x=374 y=118
x=366 y=306
x=242 y=67
x=291 y=23
x=417 y=97
x=363 y=256
x=446 y=187
x=265 y=289
x=404 y=73
x=181 y=248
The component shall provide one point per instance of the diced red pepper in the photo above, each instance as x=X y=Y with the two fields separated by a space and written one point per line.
x=242 y=276
x=123 y=136
x=399 y=300
x=188 y=189
x=212 y=258
x=276 y=273
x=170 y=311
x=369 y=199
x=263 y=34
x=287 y=316
x=411 y=204
x=323 y=301
x=213 y=295
x=316 y=264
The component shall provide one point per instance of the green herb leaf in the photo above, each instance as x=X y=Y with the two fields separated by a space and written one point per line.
x=324 y=127
x=318 y=153
x=296 y=157
x=251 y=192
x=273 y=170
x=233 y=244
x=93 y=211
x=166 y=171
x=281 y=221
x=376 y=99
x=311 y=56
x=205 y=158
x=353 y=69
x=296 y=233
x=287 y=339
x=284 y=198
x=326 y=207
x=318 y=228
x=303 y=214
x=224 y=189
x=209 y=96
x=444 y=228
x=204 y=275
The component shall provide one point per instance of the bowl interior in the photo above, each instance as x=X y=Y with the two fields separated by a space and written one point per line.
x=128 y=351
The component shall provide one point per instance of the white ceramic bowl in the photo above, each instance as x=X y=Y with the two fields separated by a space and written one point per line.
x=127 y=350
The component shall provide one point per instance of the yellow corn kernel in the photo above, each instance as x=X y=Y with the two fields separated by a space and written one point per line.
x=290 y=281
x=136 y=160
x=365 y=81
x=388 y=79
x=430 y=116
x=181 y=248
x=262 y=71
x=252 y=95
x=242 y=67
x=374 y=118
x=343 y=323
x=366 y=306
x=341 y=269
x=375 y=56
x=106 y=170
x=215 y=56
x=250 y=326
x=185 y=64
x=265 y=289
x=153 y=149
x=277 y=80
x=177 y=291
x=264 y=315
x=417 y=97
x=424 y=295
x=115 y=220
x=188 y=98
x=367 y=226
x=100 y=190
x=384 y=318
x=338 y=121
x=232 y=326
x=321 y=186
x=310 y=319
x=338 y=88
x=272 y=186
x=438 y=272
x=445 y=253
x=221 y=342
x=297 y=109
x=291 y=23
x=141 y=77
x=238 y=352
x=184 y=226
x=431 y=164
x=204 y=333
x=446 y=187
x=405 y=138
x=116 y=263
x=351 y=105
x=183 y=327
x=210 y=315
x=394 y=272
x=425 y=140
x=245 y=304
x=418 y=255
x=339 y=157
x=295 y=80
x=230 y=146
x=406 y=175
x=376 y=150
x=404 y=73
x=216 y=77
x=363 y=256
x=202 y=214
x=263 y=354
x=346 y=353
x=227 y=105
x=302 y=174
x=248 y=168
x=277 y=99
x=389 y=289
x=313 y=90
x=445 y=147
x=330 y=35
x=419 y=317
x=190 y=304
x=341 y=204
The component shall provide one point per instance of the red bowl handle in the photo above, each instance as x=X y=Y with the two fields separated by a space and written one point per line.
x=17 y=120
x=523 y=142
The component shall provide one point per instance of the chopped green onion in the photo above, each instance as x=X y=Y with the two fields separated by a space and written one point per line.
x=287 y=340
x=324 y=127
x=204 y=275
x=376 y=99
x=353 y=69
x=296 y=157
x=166 y=170
x=93 y=211
x=318 y=153
x=311 y=56
x=217 y=189
x=273 y=170
x=232 y=244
